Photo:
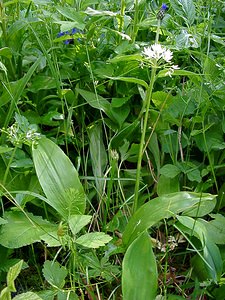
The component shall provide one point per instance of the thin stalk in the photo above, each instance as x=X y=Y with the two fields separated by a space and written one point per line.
x=146 y=106
x=121 y=17
x=157 y=31
x=147 y=103
x=8 y=166
x=135 y=27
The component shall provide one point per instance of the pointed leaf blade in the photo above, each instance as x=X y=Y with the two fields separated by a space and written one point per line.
x=59 y=179
x=163 y=207
x=94 y=239
x=139 y=277
x=77 y=222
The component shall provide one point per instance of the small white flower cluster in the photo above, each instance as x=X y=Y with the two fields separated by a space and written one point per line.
x=158 y=52
x=157 y=55
x=17 y=137
x=170 y=245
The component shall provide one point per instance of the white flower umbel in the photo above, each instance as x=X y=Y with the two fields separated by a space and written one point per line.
x=167 y=55
x=157 y=52
x=171 y=70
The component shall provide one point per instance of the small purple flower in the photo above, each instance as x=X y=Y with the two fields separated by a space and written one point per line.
x=75 y=30
x=161 y=13
x=60 y=34
x=69 y=41
x=164 y=7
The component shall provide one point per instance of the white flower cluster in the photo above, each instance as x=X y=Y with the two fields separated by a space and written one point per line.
x=157 y=52
x=18 y=137
x=157 y=55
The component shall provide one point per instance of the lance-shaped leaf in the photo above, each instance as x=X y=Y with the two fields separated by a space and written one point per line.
x=139 y=275
x=164 y=207
x=211 y=253
x=59 y=179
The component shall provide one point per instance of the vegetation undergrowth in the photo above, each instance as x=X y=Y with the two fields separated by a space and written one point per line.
x=112 y=149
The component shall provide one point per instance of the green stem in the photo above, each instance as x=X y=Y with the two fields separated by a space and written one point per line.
x=135 y=27
x=147 y=103
x=10 y=65
x=122 y=13
x=157 y=31
x=8 y=166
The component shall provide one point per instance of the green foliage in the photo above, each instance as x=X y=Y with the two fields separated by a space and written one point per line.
x=165 y=207
x=11 y=277
x=23 y=229
x=139 y=277
x=59 y=179
x=98 y=137
x=211 y=254
x=54 y=274
x=93 y=239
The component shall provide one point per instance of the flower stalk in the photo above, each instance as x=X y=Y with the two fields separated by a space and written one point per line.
x=147 y=102
x=155 y=55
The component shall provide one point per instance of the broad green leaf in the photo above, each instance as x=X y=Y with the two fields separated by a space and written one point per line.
x=184 y=9
x=59 y=179
x=170 y=171
x=98 y=155
x=21 y=230
x=193 y=76
x=131 y=79
x=27 y=296
x=118 y=102
x=54 y=273
x=211 y=70
x=67 y=295
x=77 y=18
x=191 y=170
x=97 y=101
x=185 y=40
x=12 y=274
x=200 y=270
x=160 y=208
x=120 y=113
x=3 y=221
x=93 y=239
x=139 y=271
x=51 y=239
x=216 y=228
x=167 y=185
x=205 y=208
x=211 y=252
x=67 y=25
x=7 y=52
x=126 y=131
x=77 y=222
x=119 y=58
x=42 y=83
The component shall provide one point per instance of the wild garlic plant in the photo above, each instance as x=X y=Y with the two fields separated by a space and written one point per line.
x=156 y=57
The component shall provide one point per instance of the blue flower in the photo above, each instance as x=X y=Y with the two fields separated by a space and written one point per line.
x=161 y=13
x=60 y=34
x=71 y=33
x=164 y=6
x=69 y=41
x=75 y=30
